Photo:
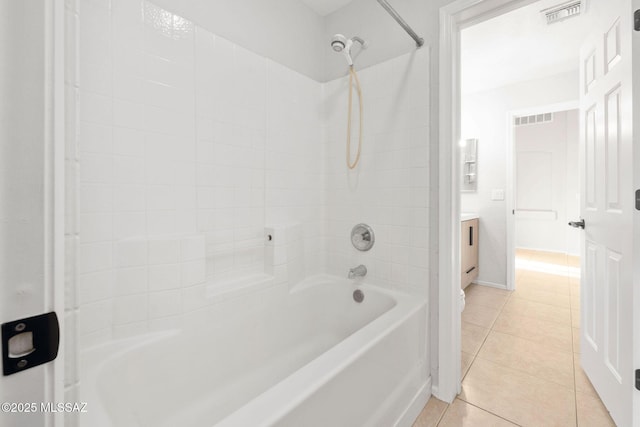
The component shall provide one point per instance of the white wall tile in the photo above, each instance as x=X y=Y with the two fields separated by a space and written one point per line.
x=129 y=309
x=131 y=253
x=95 y=227
x=96 y=168
x=95 y=198
x=94 y=257
x=193 y=272
x=173 y=138
x=192 y=248
x=94 y=287
x=94 y=317
x=128 y=142
x=127 y=197
x=95 y=108
x=129 y=225
x=163 y=277
x=131 y=280
x=128 y=170
x=164 y=303
x=164 y=251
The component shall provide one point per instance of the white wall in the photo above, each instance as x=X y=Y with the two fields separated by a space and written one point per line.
x=22 y=193
x=553 y=186
x=484 y=116
x=287 y=201
x=184 y=138
x=286 y=31
x=389 y=189
x=370 y=21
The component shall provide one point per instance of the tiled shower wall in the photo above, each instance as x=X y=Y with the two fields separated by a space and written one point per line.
x=185 y=146
x=389 y=189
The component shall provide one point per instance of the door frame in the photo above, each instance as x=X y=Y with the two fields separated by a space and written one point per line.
x=54 y=193
x=510 y=194
x=635 y=42
x=453 y=18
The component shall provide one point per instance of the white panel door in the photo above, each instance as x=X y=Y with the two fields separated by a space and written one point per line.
x=607 y=207
x=29 y=253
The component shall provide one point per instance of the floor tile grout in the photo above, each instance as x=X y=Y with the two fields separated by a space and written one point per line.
x=491 y=329
x=537 y=337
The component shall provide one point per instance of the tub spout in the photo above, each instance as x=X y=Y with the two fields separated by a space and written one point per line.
x=359 y=271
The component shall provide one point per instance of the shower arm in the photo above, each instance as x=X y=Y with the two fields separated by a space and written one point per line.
x=359 y=40
x=419 y=40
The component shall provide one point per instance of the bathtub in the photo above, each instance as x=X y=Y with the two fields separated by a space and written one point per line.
x=310 y=356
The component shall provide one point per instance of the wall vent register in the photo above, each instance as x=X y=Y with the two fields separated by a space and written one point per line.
x=533 y=119
x=563 y=11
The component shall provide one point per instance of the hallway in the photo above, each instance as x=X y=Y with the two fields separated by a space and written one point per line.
x=520 y=353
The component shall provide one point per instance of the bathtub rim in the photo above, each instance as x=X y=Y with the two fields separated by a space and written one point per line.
x=262 y=406
x=94 y=359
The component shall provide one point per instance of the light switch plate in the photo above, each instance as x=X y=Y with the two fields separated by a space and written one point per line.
x=497 y=194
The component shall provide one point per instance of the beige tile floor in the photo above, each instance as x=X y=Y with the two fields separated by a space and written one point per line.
x=521 y=353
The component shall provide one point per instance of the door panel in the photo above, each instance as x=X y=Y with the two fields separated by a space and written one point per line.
x=588 y=293
x=590 y=167
x=612 y=314
x=607 y=208
x=612 y=152
x=27 y=206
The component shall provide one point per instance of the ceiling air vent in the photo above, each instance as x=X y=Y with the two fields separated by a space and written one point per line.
x=563 y=11
x=534 y=119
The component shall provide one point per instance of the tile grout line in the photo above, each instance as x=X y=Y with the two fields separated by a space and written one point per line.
x=475 y=356
x=487 y=411
x=444 y=412
x=491 y=329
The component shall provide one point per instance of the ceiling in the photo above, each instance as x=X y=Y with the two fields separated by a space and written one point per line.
x=325 y=7
x=520 y=46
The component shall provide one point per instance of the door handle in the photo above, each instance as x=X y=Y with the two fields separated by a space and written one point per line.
x=577 y=224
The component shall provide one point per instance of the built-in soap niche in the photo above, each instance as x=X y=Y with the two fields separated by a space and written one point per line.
x=469 y=166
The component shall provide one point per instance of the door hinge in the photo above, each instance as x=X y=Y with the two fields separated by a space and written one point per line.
x=637 y=379
x=636 y=20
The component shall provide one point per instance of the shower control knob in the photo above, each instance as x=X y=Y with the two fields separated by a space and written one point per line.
x=362 y=237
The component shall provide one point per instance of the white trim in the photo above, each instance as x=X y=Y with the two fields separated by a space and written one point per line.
x=54 y=197
x=635 y=87
x=491 y=284
x=510 y=202
x=453 y=17
x=449 y=328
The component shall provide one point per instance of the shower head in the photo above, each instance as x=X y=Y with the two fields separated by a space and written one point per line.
x=340 y=43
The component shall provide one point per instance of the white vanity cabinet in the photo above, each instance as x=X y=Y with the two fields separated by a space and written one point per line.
x=469 y=251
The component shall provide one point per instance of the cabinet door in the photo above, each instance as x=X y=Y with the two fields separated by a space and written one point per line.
x=465 y=252
x=473 y=249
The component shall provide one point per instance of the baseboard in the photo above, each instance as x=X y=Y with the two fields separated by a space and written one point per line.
x=491 y=284
x=553 y=251
x=410 y=414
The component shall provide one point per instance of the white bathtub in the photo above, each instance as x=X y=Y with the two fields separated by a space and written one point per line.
x=310 y=357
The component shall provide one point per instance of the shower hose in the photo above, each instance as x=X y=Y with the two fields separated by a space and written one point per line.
x=352 y=76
